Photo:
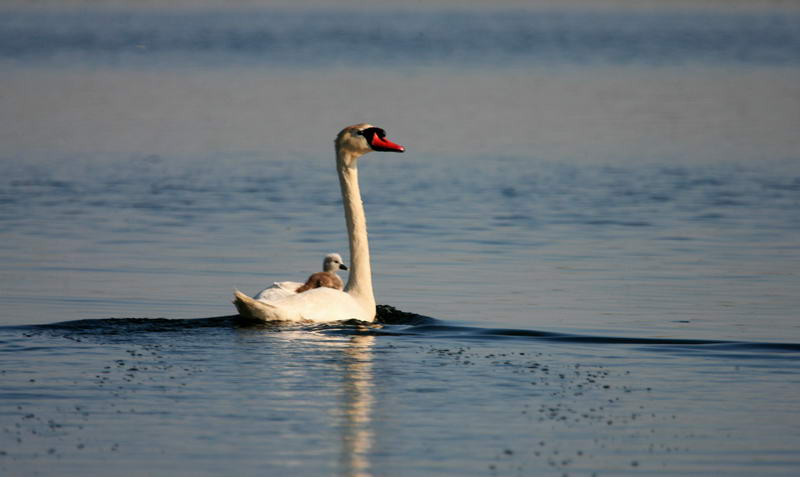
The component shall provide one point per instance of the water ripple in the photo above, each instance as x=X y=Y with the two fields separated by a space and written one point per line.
x=393 y=322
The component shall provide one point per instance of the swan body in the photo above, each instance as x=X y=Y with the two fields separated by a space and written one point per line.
x=319 y=305
x=323 y=304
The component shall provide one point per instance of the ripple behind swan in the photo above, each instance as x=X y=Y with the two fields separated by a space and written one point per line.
x=393 y=322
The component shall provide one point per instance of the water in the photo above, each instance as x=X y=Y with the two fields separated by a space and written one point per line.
x=598 y=208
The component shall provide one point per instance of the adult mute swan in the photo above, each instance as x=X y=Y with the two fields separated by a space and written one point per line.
x=326 y=278
x=356 y=301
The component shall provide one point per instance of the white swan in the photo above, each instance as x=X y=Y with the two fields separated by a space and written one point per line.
x=327 y=277
x=356 y=301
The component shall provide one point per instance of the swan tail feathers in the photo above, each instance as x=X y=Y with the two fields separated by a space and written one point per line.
x=256 y=310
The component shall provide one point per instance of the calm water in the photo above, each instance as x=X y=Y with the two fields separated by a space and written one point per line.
x=598 y=208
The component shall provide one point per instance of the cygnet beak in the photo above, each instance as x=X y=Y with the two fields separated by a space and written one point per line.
x=342 y=266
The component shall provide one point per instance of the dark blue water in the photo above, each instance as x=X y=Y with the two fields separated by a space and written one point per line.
x=385 y=36
x=593 y=240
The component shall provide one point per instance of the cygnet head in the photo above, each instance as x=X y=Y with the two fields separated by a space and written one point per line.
x=333 y=263
x=362 y=138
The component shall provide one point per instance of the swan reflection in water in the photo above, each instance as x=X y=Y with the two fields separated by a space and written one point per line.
x=357 y=403
x=335 y=370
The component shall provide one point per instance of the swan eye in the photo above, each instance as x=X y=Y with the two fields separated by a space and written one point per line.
x=370 y=133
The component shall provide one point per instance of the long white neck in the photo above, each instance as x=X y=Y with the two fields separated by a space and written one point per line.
x=359 y=284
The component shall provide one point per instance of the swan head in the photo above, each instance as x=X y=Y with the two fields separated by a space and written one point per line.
x=362 y=138
x=333 y=262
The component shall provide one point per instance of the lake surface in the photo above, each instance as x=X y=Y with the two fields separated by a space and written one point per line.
x=595 y=229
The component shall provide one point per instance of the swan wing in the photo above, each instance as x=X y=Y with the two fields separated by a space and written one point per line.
x=277 y=291
x=318 y=305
